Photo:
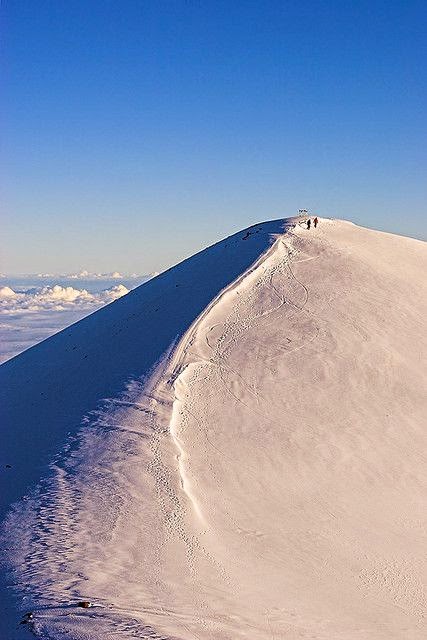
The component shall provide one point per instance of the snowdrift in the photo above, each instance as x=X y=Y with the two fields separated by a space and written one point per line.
x=235 y=449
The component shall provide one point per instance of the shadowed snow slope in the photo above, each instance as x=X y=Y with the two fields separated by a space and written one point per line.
x=233 y=450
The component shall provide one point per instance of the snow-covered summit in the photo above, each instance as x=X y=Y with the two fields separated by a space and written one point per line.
x=233 y=449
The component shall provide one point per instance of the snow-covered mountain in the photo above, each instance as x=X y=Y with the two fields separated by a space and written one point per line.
x=235 y=449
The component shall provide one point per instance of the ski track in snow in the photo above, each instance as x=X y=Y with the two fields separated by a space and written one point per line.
x=136 y=516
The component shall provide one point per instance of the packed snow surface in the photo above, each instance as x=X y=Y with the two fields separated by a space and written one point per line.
x=235 y=449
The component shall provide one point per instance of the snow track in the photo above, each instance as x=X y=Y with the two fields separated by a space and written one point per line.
x=260 y=481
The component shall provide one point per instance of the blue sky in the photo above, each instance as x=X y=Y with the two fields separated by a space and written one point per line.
x=137 y=132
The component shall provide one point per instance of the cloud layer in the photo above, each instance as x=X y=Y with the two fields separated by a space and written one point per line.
x=84 y=274
x=55 y=298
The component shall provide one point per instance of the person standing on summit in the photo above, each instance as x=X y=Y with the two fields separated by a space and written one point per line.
x=309 y=224
x=315 y=222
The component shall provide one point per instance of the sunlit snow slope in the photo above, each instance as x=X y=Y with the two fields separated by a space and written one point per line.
x=235 y=449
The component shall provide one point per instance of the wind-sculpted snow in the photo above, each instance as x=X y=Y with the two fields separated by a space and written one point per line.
x=256 y=467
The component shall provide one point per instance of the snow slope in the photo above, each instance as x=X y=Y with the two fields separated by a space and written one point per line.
x=233 y=450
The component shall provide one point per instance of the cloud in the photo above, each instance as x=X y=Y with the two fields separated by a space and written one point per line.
x=83 y=274
x=7 y=293
x=55 y=298
x=113 y=293
x=29 y=315
x=86 y=275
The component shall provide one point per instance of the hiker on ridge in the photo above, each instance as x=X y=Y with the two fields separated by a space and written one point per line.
x=315 y=221
x=309 y=223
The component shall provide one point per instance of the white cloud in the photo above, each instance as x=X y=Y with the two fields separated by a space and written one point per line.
x=55 y=298
x=83 y=274
x=113 y=293
x=29 y=314
x=87 y=275
x=7 y=293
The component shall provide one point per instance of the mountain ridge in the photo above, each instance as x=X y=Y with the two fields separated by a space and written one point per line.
x=271 y=364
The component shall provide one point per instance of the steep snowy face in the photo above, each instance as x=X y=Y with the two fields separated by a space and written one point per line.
x=50 y=387
x=266 y=478
x=46 y=392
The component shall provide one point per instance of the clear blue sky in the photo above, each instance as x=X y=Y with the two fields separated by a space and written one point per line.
x=139 y=131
